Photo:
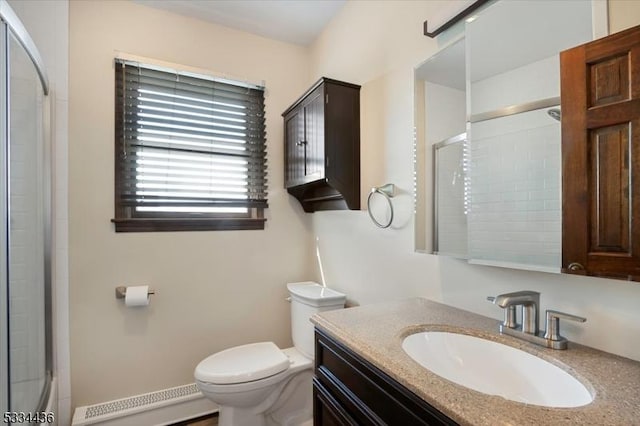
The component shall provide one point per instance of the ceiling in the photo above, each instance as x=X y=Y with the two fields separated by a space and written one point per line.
x=292 y=21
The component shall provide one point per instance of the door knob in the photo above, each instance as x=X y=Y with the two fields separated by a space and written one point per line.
x=301 y=143
x=575 y=266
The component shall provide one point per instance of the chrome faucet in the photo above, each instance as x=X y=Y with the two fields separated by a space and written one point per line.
x=530 y=302
x=529 y=331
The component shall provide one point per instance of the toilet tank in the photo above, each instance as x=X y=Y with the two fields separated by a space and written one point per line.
x=309 y=298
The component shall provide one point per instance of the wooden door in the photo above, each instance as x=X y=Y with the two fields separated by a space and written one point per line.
x=600 y=96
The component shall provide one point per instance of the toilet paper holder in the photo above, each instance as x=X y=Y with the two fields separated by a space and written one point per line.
x=121 y=292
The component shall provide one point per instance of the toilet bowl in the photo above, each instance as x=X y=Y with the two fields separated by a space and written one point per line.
x=259 y=384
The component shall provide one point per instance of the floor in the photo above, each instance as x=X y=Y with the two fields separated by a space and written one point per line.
x=211 y=420
x=205 y=422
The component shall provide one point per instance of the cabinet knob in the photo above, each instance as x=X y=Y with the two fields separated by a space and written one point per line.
x=301 y=143
x=575 y=266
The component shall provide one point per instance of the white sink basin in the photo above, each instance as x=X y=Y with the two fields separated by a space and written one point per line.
x=496 y=369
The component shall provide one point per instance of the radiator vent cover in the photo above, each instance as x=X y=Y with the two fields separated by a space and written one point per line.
x=140 y=401
x=165 y=406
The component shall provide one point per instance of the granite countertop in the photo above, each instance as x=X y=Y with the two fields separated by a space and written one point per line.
x=376 y=332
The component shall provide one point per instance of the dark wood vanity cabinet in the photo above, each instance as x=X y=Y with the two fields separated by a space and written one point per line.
x=600 y=96
x=322 y=147
x=348 y=390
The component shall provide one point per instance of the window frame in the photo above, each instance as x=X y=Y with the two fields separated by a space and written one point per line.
x=127 y=219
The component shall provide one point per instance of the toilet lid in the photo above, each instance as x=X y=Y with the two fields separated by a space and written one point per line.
x=242 y=364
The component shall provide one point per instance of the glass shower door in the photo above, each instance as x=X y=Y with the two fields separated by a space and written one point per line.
x=4 y=314
x=28 y=370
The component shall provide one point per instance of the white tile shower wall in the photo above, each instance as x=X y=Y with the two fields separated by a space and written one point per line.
x=48 y=24
x=452 y=220
x=515 y=190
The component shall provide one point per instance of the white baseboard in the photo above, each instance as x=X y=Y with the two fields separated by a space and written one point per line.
x=160 y=408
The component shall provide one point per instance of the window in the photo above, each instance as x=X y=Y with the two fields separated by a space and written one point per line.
x=190 y=151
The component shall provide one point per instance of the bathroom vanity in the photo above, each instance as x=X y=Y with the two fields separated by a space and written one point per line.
x=363 y=376
x=347 y=389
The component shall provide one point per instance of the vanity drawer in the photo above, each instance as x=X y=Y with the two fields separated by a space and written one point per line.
x=362 y=393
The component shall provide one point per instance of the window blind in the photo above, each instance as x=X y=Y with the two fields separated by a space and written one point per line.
x=187 y=146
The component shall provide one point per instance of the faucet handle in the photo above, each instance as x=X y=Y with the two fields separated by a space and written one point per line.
x=552 y=323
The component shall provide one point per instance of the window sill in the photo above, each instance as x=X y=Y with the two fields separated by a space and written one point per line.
x=186 y=224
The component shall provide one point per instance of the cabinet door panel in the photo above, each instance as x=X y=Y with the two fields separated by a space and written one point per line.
x=294 y=149
x=609 y=181
x=314 y=133
x=609 y=80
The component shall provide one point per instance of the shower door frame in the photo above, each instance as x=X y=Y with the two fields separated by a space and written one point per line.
x=4 y=219
x=11 y=26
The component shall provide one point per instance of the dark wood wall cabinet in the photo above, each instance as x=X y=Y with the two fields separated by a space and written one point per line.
x=600 y=96
x=348 y=390
x=322 y=147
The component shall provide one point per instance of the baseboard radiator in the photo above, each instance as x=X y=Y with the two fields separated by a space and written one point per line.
x=164 y=407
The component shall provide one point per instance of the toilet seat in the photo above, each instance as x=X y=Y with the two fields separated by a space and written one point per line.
x=242 y=364
x=298 y=362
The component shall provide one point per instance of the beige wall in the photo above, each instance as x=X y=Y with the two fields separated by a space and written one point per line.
x=377 y=44
x=208 y=298
x=623 y=14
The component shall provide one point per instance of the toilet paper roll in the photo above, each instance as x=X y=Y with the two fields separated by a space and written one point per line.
x=137 y=296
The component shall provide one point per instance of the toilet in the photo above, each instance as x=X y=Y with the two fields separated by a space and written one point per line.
x=259 y=384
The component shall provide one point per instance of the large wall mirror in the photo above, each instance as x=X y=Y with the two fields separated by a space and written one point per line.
x=488 y=163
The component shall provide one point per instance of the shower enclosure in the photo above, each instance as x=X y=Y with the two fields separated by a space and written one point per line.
x=25 y=237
